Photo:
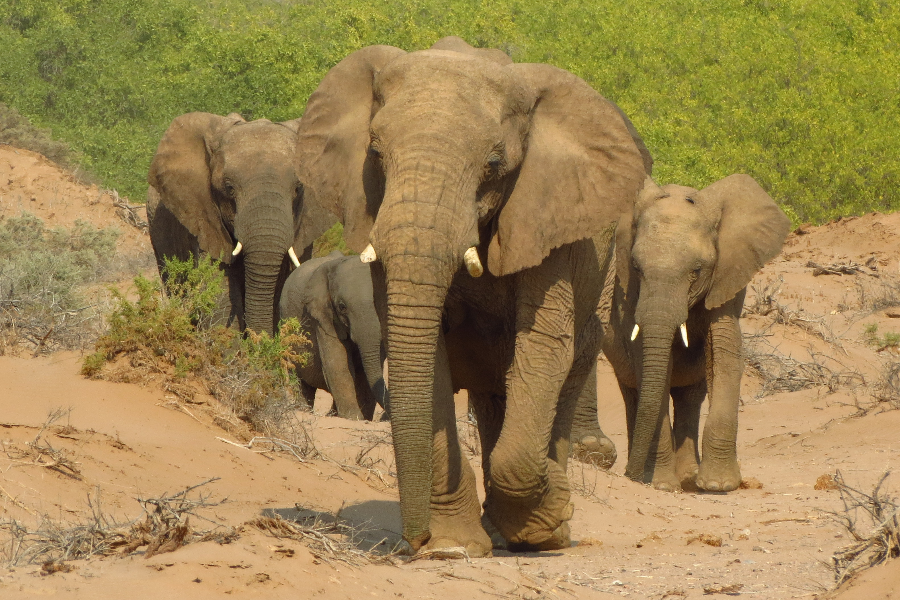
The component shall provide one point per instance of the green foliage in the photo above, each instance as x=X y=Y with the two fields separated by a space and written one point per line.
x=18 y=131
x=43 y=276
x=800 y=95
x=331 y=240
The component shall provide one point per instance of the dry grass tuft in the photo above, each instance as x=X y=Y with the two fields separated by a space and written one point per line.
x=40 y=453
x=871 y=547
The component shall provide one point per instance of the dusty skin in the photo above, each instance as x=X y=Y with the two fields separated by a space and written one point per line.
x=129 y=442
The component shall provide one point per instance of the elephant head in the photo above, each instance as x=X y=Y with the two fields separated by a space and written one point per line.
x=465 y=159
x=233 y=187
x=682 y=248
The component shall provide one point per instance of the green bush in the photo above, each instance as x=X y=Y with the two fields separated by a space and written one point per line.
x=44 y=276
x=800 y=95
x=171 y=334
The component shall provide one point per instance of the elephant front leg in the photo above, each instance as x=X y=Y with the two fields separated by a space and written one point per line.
x=528 y=497
x=719 y=470
x=660 y=471
x=687 y=401
x=455 y=510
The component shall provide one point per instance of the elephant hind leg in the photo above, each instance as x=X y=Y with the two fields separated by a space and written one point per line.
x=686 y=402
x=588 y=442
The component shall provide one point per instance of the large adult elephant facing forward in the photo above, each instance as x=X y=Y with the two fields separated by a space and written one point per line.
x=228 y=188
x=454 y=156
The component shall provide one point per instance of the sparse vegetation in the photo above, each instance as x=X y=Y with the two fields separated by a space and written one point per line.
x=172 y=336
x=16 y=130
x=165 y=528
x=44 y=279
x=331 y=240
x=890 y=340
x=876 y=538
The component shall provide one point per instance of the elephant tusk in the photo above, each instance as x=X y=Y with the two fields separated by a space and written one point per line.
x=473 y=263
x=237 y=249
x=635 y=331
x=293 y=256
x=684 y=334
x=368 y=255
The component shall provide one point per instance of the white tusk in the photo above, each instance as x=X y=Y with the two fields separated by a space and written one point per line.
x=635 y=331
x=293 y=256
x=237 y=249
x=473 y=263
x=368 y=255
x=684 y=334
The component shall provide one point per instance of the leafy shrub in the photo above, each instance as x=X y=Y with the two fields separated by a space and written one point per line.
x=170 y=334
x=44 y=275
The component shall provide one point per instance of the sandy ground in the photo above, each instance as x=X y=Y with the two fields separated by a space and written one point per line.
x=122 y=443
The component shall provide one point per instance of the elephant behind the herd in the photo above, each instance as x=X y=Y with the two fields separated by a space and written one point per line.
x=226 y=188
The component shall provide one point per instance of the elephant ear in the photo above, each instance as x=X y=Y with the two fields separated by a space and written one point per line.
x=333 y=163
x=180 y=173
x=581 y=170
x=457 y=44
x=752 y=230
x=650 y=193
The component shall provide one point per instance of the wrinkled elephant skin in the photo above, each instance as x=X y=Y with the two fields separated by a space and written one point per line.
x=476 y=186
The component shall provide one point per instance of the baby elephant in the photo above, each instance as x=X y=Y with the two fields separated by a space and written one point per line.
x=683 y=261
x=333 y=300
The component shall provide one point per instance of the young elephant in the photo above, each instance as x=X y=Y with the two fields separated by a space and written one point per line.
x=332 y=299
x=683 y=261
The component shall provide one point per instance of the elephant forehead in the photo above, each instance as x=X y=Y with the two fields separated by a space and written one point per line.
x=259 y=136
x=443 y=74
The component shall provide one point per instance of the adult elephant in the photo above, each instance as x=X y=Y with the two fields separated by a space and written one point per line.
x=683 y=260
x=223 y=187
x=453 y=157
x=333 y=299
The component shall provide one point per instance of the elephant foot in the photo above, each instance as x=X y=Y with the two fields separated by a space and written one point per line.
x=452 y=531
x=666 y=482
x=536 y=519
x=594 y=449
x=561 y=538
x=719 y=476
x=686 y=473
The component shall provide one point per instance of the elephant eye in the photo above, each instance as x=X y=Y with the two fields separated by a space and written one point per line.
x=689 y=199
x=229 y=189
x=342 y=308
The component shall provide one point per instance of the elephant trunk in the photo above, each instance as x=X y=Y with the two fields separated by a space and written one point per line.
x=414 y=318
x=266 y=234
x=372 y=357
x=654 y=396
x=660 y=310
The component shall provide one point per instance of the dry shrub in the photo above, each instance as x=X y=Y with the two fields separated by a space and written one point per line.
x=165 y=528
x=887 y=389
x=328 y=539
x=780 y=373
x=877 y=539
x=39 y=452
